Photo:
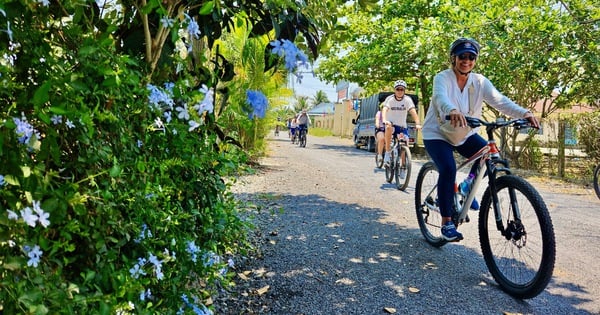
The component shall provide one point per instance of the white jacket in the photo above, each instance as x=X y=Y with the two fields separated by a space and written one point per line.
x=447 y=96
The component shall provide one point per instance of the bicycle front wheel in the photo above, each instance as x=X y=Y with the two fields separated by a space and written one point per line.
x=596 y=180
x=520 y=249
x=378 y=160
x=390 y=168
x=426 y=204
x=404 y=168
x=302 y=140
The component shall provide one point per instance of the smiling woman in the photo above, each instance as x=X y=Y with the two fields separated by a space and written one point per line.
x=458 y=92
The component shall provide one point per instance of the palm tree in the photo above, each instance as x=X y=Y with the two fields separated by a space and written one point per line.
x=301 y=103
x=320 y=97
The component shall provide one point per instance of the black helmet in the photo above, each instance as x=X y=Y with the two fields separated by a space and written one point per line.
x=463 y=45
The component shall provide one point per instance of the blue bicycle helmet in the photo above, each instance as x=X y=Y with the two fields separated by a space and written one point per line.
x=464 y=45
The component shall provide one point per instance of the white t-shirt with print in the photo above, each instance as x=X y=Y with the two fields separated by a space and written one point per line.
x=398 y=109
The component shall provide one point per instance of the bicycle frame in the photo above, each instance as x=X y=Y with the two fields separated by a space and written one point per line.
x=489 y=157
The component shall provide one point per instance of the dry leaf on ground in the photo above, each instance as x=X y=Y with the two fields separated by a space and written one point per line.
x=413 y=290
x=263 y=290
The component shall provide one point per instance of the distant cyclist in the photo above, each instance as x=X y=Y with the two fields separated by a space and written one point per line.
x=293 y=129
x=394 y=112
x=303 y=120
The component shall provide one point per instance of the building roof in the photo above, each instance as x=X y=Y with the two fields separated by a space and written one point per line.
x=321 y=109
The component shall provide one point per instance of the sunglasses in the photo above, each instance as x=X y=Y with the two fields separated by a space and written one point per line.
x=467 y=56
x=399 y=89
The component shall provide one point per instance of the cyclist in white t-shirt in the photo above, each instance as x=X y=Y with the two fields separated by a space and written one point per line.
x=395 y=109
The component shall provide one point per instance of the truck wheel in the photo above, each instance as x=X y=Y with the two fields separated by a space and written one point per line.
x=370 y=143
x=356 y=142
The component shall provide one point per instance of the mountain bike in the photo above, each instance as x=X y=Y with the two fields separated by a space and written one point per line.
x=301 y=137
x=515 y=229
x=596 y=180
x=400 y=164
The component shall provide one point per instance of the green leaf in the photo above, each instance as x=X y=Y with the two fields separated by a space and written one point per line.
x=13 y=264
x=26 y=171
x=207 y=8
x=111 y=82
x=12 y=180
x=141 y=166
x=115 y=171
x=58 y=110
x=87 y=50
x=147 y=9
x=41 y=94
x=28 y=299
x=105 y=309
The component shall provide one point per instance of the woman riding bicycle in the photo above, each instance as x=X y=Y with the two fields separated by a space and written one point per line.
x=458 y=92
x=394 y=112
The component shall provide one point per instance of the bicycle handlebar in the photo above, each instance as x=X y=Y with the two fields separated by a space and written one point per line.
x=518 y=123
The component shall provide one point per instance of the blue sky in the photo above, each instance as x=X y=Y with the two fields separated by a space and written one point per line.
x=310 y=85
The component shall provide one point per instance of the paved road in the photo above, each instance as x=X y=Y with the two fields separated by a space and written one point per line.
x=336 y=177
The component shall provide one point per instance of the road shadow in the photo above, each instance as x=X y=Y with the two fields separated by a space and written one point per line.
x=325 y=257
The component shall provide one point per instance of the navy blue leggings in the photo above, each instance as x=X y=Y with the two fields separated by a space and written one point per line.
x=441 y=152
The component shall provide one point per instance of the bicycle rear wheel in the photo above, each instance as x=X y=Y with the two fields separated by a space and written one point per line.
x=403 y=166
x=597 y=180
x=426 y=205
x=521 y=257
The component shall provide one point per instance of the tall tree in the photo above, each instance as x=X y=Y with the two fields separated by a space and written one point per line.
x=530 y=49
x=320 y=97
x=301 y=103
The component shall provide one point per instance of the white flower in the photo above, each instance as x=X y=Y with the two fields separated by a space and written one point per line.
x=167 y=22
x=34 y=255
x=203 y=89
x=42 y=215
x=43 y=219
x=158 y=124
x=29 y=217
x=167 y=116
x=70 y=124
x=193 y=125
x=12 y=215
x=192 y=28
x=56 y=119
x=183 y=112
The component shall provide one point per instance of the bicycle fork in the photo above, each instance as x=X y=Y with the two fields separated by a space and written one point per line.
x=514 y=229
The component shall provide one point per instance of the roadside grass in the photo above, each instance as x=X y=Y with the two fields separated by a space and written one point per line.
x=320 y=132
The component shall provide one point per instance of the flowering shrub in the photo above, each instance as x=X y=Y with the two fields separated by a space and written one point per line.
x=114 y=193
x=113 y=188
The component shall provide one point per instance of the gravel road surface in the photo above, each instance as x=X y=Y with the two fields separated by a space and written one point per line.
x=332 y=237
